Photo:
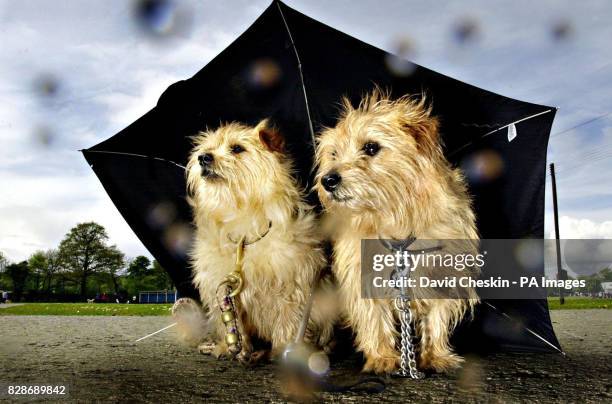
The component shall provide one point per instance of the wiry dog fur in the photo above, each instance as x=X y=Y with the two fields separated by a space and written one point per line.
x=407 y=188
x=246 y=185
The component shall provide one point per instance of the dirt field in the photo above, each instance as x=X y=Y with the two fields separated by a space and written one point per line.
x=97 y=359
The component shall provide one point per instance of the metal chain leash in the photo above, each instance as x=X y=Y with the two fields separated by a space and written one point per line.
x=408 y=366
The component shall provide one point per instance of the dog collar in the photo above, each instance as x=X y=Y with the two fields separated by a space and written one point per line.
x=248 y=242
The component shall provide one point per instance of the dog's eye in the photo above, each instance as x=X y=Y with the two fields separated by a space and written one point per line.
x=236 y=149
x=371 y=148
x=333 y=153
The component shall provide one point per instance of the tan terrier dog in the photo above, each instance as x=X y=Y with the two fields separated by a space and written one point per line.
x=382 y=174
x=240 y=184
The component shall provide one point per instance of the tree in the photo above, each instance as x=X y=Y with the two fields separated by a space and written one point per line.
x=606 y=275
x=139 y=266
x=19 y=275
x=113 y=270
x=84 y=251
x=3 y=262
x=47 y=264
x=162 y=278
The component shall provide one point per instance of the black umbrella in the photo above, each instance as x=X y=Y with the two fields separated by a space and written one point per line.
x=294 y=69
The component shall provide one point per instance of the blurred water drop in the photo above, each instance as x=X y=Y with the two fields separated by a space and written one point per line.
x=264 y=74
x=162 y=18
x=471 y=376
x=46 y=86
x=562 y=30
x=43 y=136
x=466 y=30
x=398 y=61
x=483 y=166
x=177 y=238
x=530 y=254
x=318 y=363
x=162 y=214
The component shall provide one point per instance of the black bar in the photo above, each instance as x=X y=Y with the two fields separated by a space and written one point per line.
x=557 y=240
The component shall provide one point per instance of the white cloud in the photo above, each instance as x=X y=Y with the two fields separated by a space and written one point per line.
x=574 y=228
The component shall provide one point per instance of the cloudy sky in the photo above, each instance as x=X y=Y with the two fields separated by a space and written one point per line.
x=73 y=73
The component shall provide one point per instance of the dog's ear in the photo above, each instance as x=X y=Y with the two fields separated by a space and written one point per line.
x=270 y=137
x=421 y=125
x=426 y=134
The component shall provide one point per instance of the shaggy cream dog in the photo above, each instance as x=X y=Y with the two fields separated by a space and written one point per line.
x=382 y=174
x=240 y=184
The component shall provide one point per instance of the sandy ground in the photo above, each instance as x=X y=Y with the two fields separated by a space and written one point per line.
x=97 y=359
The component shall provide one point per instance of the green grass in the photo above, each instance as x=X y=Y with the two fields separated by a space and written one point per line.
x=577 y=303
x=87 y=309
x=114 y=309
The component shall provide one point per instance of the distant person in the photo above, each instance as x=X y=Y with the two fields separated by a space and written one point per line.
x=5 y=297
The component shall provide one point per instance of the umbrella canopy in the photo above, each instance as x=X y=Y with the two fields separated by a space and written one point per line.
x=295 y=70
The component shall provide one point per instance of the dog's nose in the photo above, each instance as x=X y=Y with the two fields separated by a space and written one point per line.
x=206 y=159
x=330 y=181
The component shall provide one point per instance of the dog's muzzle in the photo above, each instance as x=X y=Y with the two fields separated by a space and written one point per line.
x=331 y=182
x=206 y=161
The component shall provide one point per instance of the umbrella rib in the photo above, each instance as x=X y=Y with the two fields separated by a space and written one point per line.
x=497 y=130
x=299 y=61
x=527 y=328
x=134 y=155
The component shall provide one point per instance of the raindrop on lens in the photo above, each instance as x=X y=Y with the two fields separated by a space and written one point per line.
x=162 y=214
x=318 y=363
x=46 y=86
x=529 y=254
x=43 y=136
x=156 y=17
x=483 y=166
x=264 y=73
x=466 y=30
x=561 y=30
x=177 y=238
x=397 y=62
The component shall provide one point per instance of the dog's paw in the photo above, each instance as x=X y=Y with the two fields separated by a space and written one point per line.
x=221 y=351
x=253 y=358
x=206 y=348
x=381 y=365
x=440 y=363
x=185 y=306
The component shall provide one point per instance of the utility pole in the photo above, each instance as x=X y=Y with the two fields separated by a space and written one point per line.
x=560 y=272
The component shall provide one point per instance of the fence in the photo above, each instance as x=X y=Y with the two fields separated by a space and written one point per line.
x=157 y=296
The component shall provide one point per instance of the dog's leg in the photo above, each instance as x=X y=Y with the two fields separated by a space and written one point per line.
x=192 y=321
x=439 y=318
x=285 y=327
x=218 y=347
x=374 y=326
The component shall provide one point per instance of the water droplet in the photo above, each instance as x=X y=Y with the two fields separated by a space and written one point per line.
x=466 y=30
x=162 y=214
x=43 y=136
x=264 y=74
x=483 y=166
x=398 y=61
x=318 y=363
x=562 y=30
x=177 y=238
x=46 y=86
x=162 y=18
